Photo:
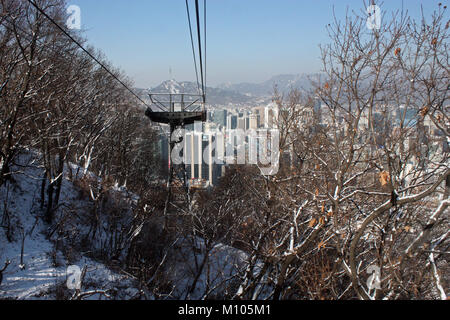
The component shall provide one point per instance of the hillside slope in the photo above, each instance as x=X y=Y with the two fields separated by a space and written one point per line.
x=41 y=271
x=95 y=236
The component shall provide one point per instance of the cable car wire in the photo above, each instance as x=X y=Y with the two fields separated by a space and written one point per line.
x=197 y=11
x=86 y=51
x=204 y=25
x=192 y=44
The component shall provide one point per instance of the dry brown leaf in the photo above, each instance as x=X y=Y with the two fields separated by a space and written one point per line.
x=322 y=244
x=322 y=220
x=424 y=111
x=384 y=178
x=312 y=223
x=397 y=51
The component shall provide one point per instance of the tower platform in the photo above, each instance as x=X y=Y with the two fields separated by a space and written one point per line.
x=176 y=118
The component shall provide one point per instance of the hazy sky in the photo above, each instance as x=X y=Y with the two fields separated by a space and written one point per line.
x=248 y=40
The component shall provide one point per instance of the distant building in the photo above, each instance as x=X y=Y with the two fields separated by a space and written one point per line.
x=163 y=153
x=241 y=123
x=260 y=113
x=220 y=117
x=253 y=122
x=232 y=122
x=267 y=116
x=318 y=110
x=201 y=151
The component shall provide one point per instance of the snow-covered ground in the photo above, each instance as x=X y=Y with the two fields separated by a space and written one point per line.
x=217 y=278
x=41 y=273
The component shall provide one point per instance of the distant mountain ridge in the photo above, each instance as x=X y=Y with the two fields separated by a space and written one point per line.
x=214 y=95
x=284 y=83
x=240 y=93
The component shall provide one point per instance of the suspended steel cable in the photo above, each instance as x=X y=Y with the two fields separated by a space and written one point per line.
x=204 y=26
x=192 y=44
x=200 y=48
x=94 y=58
x=86 y=51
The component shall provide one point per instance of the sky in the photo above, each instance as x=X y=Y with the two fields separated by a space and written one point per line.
x=247 y=40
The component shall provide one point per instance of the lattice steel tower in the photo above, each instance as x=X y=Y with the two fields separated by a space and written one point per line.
x=177 y=110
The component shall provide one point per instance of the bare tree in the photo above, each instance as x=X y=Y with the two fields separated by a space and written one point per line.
x=365 y=193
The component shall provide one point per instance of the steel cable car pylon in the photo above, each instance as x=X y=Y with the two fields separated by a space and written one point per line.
x=188 y=112
x=186 y=115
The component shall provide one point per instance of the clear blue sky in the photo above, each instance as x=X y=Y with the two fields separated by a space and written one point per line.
x=248 y=40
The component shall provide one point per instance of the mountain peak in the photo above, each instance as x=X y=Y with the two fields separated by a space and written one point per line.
x=241 y=93
x=215 y=96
